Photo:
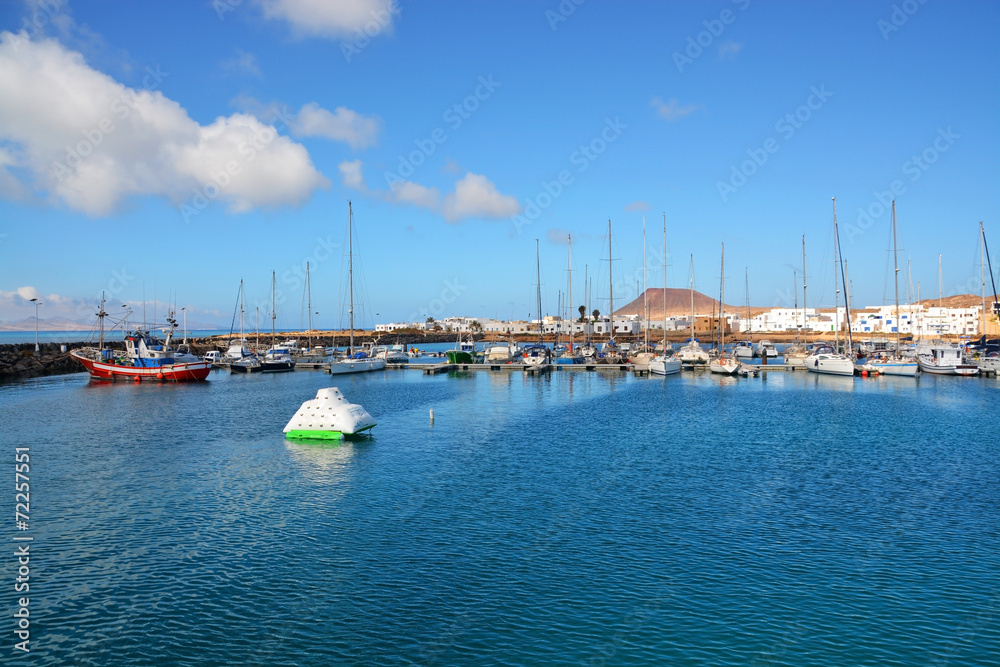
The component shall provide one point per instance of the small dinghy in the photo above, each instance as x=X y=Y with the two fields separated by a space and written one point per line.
x=328 y=417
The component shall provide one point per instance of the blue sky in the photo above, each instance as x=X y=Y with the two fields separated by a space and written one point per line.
x=450 y=128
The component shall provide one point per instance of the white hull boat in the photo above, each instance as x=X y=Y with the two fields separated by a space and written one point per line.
x=945 y=360
x=692 y=353
x=725 y=365
x=665 y=365
x=902 y=367
x=345 y=366
x=825 y=360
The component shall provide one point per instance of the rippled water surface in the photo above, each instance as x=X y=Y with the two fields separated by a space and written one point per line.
x=577 y=518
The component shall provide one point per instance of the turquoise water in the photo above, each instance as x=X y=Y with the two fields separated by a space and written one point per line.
x=582 y=518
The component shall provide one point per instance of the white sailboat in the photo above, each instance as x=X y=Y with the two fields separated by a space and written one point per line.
x=725 y=364
x=642 y=359
x=894 y=364
x=796 y=355
x=354 y=362
x=826 y=359
x=665 y=363
x=692 y=353
x=537 y=354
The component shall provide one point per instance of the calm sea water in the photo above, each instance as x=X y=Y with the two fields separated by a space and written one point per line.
x=572 y=519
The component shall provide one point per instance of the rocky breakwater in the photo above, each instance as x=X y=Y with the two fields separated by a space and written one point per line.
x=22 y=361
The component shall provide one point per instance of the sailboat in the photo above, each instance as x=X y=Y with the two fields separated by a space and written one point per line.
x=570 y=356
x=894 y=364
x=244 y=360
x=311 y=357
x=692 y=353
x=610 y=352
x=278 y=359
x=744 y=349
x=725 y=364
x=826 y=359
x=988 y=356
x=641 y=360
x=355 y=362
x=537 y=354
x=795 y=355
x=665 y=364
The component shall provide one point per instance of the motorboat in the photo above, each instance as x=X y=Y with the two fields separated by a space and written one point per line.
x=766 y=348
x=692 y=353
x=946 y=360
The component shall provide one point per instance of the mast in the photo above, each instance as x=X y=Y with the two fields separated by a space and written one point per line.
x=692 y=298
x=538 y=274
x=611 y=292
x=993 y=285
x=586 y=302
x=569 y=241
x=309 y=304
x=663 y=295
x=895 y=270
x=256 y=328
x=101 y=314
x=940 y=282
x=350 y=273
x=805 y=327
x=847 y=292
x=272 y=309
x=982 y=276
x=722 y=302
x=645 y=302
x=242 y=335
x=746 y=296
x=836 y=284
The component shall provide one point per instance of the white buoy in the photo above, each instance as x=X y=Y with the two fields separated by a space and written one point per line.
x=432 y=416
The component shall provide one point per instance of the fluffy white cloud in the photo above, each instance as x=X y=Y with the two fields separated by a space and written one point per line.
x=337 y=19
x=345 y=125
x=673 y=110
x=83 y=139
x=637 y=206
x=415 y=194
x=351 y=176
x=476 y=197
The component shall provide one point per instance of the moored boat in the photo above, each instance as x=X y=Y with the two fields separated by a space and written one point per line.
x=946 y=360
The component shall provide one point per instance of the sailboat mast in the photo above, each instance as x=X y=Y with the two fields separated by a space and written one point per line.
x=722 y=302
x=805 y=328
x=663 y=294
x=350 y=272
x=993 y=284
x=538 y=283
x=692 y=298
x=611 y=289
x=569 y=241
x=645 y=302
x=836 y=284
x=273 y=315
x=940 y=282
x=309 y=304
x=847 y=290
x=982 y=276
x=895 y=269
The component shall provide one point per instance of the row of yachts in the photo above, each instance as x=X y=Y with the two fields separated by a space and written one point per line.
x=939 y=358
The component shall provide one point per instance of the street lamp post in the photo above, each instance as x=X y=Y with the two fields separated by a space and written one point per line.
x=37 y=304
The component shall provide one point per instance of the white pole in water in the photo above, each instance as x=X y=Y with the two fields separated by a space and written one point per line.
x=432 y=417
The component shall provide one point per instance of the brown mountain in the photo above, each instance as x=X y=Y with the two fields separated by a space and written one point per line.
x=958 y=301
x=676 y=302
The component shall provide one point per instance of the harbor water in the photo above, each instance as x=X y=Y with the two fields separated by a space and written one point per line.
x=575 y=518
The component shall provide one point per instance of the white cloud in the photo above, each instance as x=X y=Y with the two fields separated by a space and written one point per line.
x=672 y=110
x=337 y=19
x=241 y=63
x=476 y=197
x=352 y=128
x=351 y=176
x=83 y=139
x=408 y=192
x=637 y=206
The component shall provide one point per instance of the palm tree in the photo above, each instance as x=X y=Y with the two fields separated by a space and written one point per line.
x=583 y=313
x=596 y=314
